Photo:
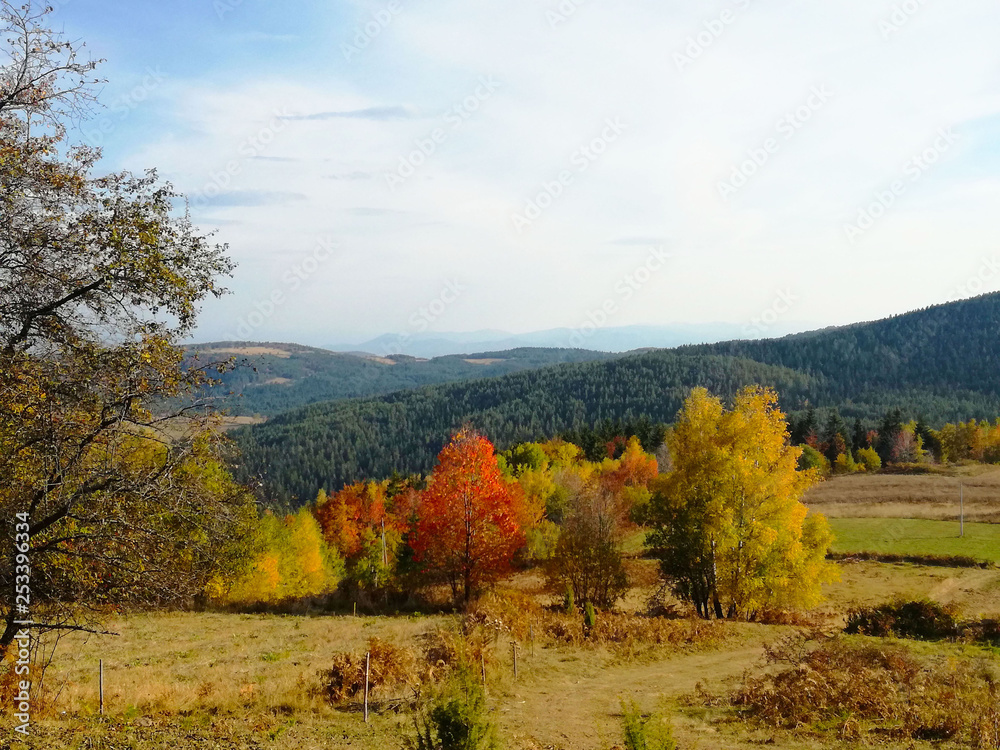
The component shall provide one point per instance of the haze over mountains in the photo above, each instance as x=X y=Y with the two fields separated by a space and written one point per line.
x=271 y=378
x=940 y=363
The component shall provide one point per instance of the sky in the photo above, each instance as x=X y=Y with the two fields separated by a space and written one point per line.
x=403 y=166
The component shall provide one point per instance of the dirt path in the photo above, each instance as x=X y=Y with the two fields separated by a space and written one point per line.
x=574 y=707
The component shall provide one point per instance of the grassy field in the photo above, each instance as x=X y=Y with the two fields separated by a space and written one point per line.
x=219 y=681
x=929 y=496
x=232 y=681
x=909 y=536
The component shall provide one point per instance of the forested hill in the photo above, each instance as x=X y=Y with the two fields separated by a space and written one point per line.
x=328 y=445
x=271 y=378
x=946 y=350
x=940 y=363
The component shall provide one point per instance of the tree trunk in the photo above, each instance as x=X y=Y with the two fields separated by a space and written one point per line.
x=10 y=630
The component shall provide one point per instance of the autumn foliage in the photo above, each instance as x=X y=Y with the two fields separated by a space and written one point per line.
x=366 y=526
x=728 y=525
x=468 y=528
x=291 y=561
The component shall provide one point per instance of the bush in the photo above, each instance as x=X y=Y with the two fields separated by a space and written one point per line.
x=845 y=464
x=846 y=685
x=391 y=667
x=868 y=459
x=589 y=619
x=457 y=719
x=447 y=651
x=813 y=459
x=652 y=733
x=569 y=602
x=943 y=561
x=922 y=620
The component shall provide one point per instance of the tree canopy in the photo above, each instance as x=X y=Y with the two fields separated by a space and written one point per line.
x=727 y=523
x=100 y=278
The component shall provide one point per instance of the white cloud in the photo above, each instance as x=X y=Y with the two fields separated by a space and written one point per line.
x=685 y=131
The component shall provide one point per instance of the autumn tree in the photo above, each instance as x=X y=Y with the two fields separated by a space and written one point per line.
x=468 y=526
x=100 y=278
x=291 y=561
x=359 y=523
x=728 y=525
x=588 y=557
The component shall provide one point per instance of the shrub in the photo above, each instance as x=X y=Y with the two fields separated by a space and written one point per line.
x=651 y=733
x=844 y=464
x=504 y=613
x=847 y=685
x=868 y=458
x=589 y=619
x=447 y=651
x=813 y=459
x=922 y=620
x=944 y=561
x=391 y=667
x=457 y=719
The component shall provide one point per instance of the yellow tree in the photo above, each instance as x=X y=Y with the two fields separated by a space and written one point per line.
x=292 y=561
x=728 y=523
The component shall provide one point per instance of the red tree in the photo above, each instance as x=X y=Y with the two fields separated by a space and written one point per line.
x=467 y=522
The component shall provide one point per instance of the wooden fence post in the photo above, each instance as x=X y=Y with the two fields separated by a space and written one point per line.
x=368 y=665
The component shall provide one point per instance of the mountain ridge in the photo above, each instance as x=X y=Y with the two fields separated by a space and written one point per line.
x=938 y=363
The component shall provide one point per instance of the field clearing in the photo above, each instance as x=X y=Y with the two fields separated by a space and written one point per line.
x=219 y=680
x=227 y=681
x=909 y=536
x=249 y=351
x=929 y=496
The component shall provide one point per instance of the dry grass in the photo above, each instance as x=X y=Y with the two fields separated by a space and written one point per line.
x=862 y=687
x=251 y=681
x=167 y=664
x=928 y=496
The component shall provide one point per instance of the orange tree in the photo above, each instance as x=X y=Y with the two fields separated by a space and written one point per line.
x=469 y=520
x=364 y=525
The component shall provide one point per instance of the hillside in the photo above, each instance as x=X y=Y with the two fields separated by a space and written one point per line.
x=328 y=445
x=939 y=363
x=271 y=378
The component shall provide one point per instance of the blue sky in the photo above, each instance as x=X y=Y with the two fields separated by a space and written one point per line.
x=815 y=163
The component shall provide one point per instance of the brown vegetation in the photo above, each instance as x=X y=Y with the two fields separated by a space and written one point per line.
x=863 y=688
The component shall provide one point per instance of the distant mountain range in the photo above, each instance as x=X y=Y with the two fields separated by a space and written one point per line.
x=941 y=364
x=271 y=378
x=620 y=339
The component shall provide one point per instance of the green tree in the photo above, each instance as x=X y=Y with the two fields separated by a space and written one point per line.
x=835 y=436
x=588 y=556
x=859 y=436
x=728 y=525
